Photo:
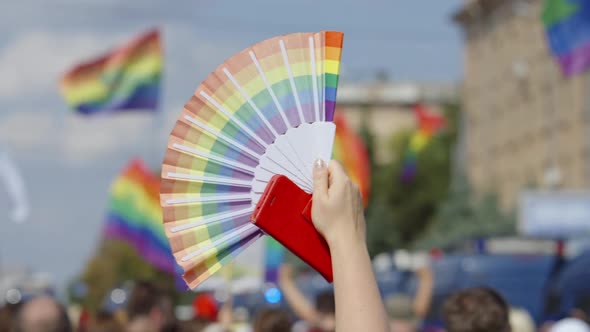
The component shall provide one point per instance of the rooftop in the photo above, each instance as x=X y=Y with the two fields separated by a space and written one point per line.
x=396 y=93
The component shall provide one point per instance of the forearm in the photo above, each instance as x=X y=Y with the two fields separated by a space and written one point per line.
x=298 y=302
x=424 y=293
x=358 y=302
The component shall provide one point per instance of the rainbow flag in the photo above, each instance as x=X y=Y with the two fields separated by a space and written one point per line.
x=351 y=152
x=135 y=215
x=567 y=26
x=274 y=256
x=127 y=78
x=428 y=124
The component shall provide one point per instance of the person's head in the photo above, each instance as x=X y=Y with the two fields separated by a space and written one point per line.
x=7 y=314
x=195 y=325
x=400 y=309
x=521 y=321
x=272 y=320
x=326 y=308
x=105 y=322
x=476 y=310
x=146 y=301
x=581 y=309
x=42 y=314
x=141 y=323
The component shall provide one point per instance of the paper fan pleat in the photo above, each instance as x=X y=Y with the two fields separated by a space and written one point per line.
x=190 y=257
x=267 y=110
x=212 y=264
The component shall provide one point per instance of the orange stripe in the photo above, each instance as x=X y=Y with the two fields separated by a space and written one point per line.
x=334 y=39
x=333 y=53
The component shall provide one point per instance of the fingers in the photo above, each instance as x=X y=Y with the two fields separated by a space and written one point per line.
x=320 y=179
x=337 y=173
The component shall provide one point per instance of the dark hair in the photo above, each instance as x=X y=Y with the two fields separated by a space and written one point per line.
x=194 y=325
x=476 y=310
x=105 y=322
x=272 y=320
x=324 y=302
x=60 y=323
x=143 y=299
x=7 y=314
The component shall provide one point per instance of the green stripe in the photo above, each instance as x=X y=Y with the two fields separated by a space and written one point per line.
x=331 y=80
x=556 y=11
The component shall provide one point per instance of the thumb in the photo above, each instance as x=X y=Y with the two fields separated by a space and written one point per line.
x=320 y=178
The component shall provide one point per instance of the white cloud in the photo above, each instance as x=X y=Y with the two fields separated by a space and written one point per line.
x=27 y=130
x=93 y=139
x=77 y=139
x=33 y=63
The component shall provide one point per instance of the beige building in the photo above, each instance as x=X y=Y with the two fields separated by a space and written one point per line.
x=525 y=124
x=386 y=107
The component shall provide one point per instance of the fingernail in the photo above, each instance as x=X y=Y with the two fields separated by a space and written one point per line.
x=319 y=164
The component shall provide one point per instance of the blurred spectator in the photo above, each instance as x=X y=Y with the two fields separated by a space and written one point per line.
x=582 y=309
x=42 y=314
x=148 y=305
x=406 y=314
x=241 y=318
x=570 y=325
x=7 y=314
x=141 y=323
x=476 y=310
x=195 y=325
x=320 y=317
x=521 y=320
x=272 y=320
x=402 y=316
x=105 y=322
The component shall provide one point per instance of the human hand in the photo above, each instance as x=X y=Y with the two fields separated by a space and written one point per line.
x=337 y=209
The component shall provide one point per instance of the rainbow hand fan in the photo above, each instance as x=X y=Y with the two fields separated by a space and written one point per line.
x=266 y=110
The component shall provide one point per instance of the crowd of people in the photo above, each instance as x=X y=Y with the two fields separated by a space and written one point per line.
x=355 y=304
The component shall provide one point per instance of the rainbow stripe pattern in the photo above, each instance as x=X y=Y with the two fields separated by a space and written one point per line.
x=351 y=152
x=428 y=124
x=567 y=26
x=135 y=215
x=127 y=78
x=274 y=256
x=227 y=125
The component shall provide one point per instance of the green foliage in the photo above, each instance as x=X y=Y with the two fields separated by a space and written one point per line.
x=463 y=216
x=114 y=264
x=425 y=210
x=399 y=211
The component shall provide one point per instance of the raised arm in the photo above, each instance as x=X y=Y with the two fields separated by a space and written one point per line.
x=423 y=296
x=337 y=213
x=302 y=307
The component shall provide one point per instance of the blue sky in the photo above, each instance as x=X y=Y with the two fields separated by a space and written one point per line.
x=68 y=161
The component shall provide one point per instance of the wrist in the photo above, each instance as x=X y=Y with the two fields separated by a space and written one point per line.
x=345 y=241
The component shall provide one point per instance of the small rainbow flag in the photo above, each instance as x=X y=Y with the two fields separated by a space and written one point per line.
x=135 y=215
x=351 y=152
x=428 y=124
x=274 y=256
x=127 y=78
x=567 y=25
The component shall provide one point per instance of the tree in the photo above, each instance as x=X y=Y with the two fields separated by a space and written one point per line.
x=463 y=215
x=114 y=264
x=399 y=212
